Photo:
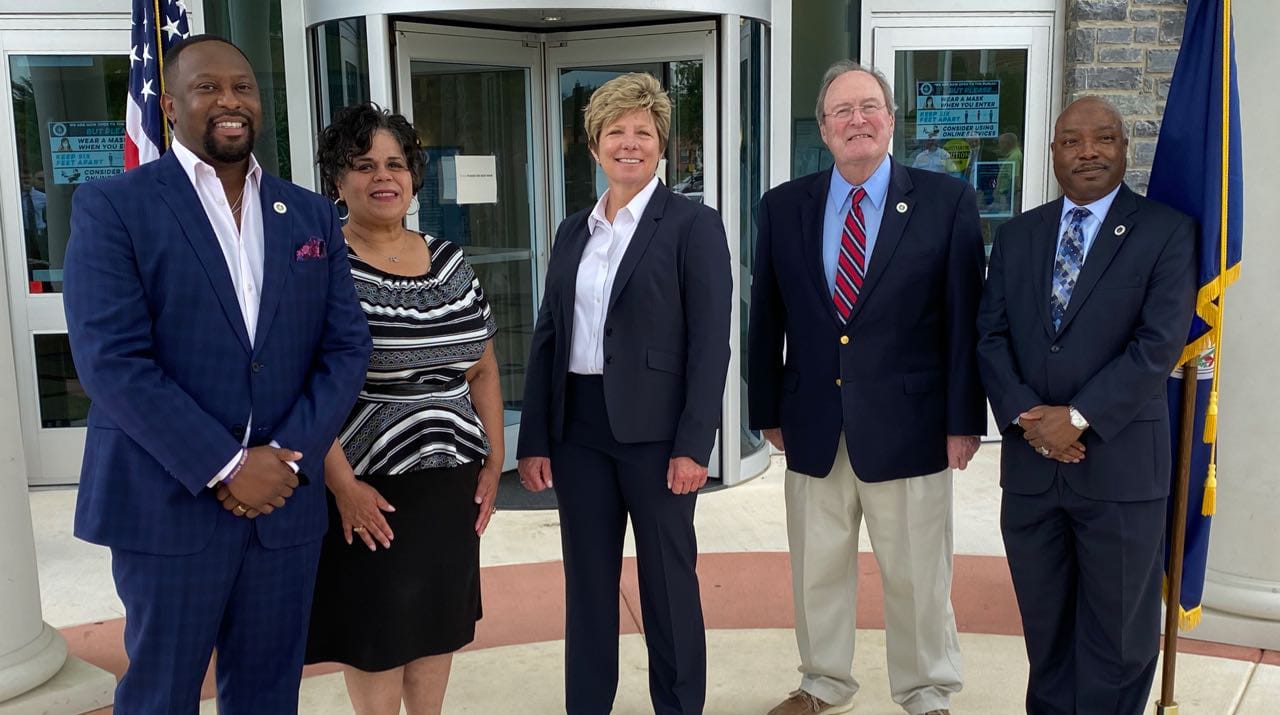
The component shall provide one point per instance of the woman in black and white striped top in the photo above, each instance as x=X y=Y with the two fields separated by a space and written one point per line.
x=415 y=410
x=414 y=473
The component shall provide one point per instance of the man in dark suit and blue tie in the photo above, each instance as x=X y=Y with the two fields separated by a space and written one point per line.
x=1086 y=308
x=862 y=365
x=214 y=325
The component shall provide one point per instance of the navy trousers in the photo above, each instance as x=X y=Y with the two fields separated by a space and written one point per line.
x=251 y=603
x=1087 y=575
x=599 y=482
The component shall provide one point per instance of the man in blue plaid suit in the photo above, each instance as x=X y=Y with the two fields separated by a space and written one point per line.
x=215 y=327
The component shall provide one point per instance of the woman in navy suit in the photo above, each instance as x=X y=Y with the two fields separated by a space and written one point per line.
x=622 y=401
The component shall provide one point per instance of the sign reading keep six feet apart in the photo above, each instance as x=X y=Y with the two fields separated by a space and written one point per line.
x=958 y=109
x=82 y=151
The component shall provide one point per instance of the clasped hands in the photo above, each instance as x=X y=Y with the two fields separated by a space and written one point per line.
x=262 y=485
x=1048 y=429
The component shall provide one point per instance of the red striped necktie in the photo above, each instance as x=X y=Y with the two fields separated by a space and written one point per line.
x=851 y=266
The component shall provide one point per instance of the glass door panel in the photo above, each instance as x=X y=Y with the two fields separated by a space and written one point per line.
x=681 y=167
x=471 y=100
x=578 y=63
x=753 y=112
x=964 y=113
x=973 y=104
x=64 y=126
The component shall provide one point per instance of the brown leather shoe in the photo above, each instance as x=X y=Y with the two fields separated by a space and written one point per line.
x=802 y=703
x=943 y=711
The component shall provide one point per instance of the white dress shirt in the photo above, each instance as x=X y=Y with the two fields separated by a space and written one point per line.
x=242 y=247
x=596 y=271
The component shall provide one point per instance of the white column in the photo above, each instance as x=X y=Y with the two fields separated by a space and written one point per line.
x=31 y=652
x=36 y=676
x=1242 y=587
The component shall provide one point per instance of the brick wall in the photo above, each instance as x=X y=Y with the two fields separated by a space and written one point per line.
x=1125 y=50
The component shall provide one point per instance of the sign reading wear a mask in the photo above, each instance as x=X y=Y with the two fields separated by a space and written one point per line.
x=958 y=109
x=83 y=151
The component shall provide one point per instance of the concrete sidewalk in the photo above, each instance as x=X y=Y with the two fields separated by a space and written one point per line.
x=515 y=665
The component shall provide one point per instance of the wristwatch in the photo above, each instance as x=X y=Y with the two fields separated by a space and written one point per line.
x=1077 y=420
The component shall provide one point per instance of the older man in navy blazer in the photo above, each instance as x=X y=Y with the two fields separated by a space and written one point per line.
x=214 y=325
x=869 y=274
x=1086 y=309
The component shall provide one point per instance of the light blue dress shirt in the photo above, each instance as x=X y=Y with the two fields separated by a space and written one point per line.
x=877 y=188
x=1091 y=225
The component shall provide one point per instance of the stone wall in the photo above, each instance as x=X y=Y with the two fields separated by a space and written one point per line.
x=1125 y=50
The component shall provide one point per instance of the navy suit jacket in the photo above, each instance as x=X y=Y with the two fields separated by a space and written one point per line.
x=666 y=339
x=161 y=348
x=1123 y=331
x=906 y=377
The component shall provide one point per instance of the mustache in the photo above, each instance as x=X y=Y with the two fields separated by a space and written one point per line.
x=1090 y=167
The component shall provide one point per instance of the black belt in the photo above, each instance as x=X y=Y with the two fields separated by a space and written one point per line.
x=413 y=389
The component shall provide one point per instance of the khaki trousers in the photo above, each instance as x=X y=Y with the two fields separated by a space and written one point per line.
x=910 y=525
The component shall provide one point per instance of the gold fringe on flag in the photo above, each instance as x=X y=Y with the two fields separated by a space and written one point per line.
x=1187 y=620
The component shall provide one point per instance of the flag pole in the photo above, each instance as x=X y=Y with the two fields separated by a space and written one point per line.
x=164 y=123
x=1177 y=546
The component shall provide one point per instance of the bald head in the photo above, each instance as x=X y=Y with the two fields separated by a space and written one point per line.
x=1089 y=149
x=1090 y=104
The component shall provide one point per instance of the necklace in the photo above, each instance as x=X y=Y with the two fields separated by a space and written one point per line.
x=369 y=245
x=235 y=207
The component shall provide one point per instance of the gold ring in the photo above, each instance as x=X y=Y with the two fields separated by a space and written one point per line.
x=358 y=529
x=241 y=510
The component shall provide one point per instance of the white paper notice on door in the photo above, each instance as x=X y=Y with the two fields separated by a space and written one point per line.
x=477 y=179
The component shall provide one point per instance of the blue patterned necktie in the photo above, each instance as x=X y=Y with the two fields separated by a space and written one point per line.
x=1066 y=266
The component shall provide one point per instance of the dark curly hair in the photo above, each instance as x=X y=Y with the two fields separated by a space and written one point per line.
x=350 y=134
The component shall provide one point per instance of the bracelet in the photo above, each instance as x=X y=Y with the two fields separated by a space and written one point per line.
x=244 y=457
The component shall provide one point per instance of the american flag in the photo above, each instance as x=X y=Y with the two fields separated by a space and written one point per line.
x=157 y=25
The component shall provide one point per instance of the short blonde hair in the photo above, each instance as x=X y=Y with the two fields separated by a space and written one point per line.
x=625 y=94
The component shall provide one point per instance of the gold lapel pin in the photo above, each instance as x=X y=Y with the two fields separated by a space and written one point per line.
x=279 y=207
x=902 y=207
x=1120 y=230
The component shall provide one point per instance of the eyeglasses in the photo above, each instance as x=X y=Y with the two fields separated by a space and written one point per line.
x=845 y=113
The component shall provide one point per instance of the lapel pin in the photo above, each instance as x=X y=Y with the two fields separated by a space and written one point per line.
x=279 y=207
x=1120 y=230
x=902 y=207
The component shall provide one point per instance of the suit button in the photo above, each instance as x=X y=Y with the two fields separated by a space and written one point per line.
x=844 y=339
x=837 y=382
x=237 y=431
x=1055 y=348
x=608 y=359
x=608 y=332
x=256 y=367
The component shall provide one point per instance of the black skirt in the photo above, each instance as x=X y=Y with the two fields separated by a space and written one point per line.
x=377 y=610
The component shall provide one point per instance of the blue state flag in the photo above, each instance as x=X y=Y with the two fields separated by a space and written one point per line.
x=1197 y=170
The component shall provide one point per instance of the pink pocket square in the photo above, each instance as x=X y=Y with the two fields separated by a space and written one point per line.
x=314 y=248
